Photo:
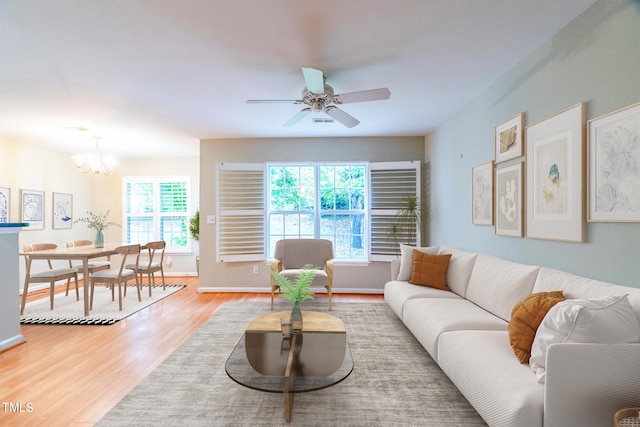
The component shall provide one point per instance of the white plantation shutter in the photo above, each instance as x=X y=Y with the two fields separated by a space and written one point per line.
x=241 y=212
x=391 y=184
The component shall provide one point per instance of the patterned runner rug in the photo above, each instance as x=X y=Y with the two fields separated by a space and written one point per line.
x=394 y=381
x=68 y=311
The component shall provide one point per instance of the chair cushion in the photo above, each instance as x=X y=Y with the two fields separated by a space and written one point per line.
x=320 y=277
x=143 y=266
x=296 y=253
x=93 y=264
x=113 y=273
x=53 y=273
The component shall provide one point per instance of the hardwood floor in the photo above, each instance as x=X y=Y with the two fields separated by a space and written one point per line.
x=72 y=375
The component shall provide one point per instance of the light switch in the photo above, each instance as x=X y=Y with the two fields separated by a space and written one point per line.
x=211 y=219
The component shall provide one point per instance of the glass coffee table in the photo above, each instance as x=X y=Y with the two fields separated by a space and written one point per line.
x=317 y=358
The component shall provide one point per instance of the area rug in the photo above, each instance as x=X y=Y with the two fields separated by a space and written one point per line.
x=68 y=311
x=394 y=381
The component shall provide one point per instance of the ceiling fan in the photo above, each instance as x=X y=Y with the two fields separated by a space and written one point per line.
x=319 y=97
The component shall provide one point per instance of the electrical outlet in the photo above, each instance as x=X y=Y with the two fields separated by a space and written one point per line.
x=211 y=219
x=255 y=269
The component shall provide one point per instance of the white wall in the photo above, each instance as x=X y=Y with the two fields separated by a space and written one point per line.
x=31 y=167
x=595 y=59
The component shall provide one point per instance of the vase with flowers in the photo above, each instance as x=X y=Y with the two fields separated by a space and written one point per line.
x=98 y=222
x=296 y=292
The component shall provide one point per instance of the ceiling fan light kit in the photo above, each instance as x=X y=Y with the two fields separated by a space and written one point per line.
x=318 y=96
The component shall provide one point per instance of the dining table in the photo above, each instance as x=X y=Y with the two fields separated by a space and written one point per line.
x=82 y=253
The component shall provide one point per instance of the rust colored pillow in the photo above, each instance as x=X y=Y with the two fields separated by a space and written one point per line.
x=430 y=270
x=526 y=316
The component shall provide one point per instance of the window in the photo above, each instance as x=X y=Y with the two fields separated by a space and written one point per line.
x=351 y=204
x=319 y=201
x=156 y=208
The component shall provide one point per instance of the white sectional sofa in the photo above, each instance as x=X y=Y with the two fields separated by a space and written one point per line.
x=465 y=330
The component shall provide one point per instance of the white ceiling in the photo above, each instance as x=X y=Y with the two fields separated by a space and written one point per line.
x=153 y=77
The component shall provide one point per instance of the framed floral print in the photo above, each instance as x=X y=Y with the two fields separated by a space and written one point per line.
x=32 y=209
x=509 y=212
x=555 y=176
x=508 y=139
x=482 y=188
x=614 y=166
x=62 y=210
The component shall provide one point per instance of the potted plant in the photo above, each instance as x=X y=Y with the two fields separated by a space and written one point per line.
x=98 y=223
x=296 y=292
x=194 y=233
x=407 y=222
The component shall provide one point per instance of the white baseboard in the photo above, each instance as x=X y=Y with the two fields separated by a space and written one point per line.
x=262 y=289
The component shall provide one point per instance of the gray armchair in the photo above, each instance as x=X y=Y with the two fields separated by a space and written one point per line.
x=291 y=255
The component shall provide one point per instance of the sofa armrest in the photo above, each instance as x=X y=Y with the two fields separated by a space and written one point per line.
x=587 y=383
x=395 y=268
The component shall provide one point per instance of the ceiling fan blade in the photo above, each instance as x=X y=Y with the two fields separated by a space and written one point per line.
x=295 y=119
x=272 y=101
x=362 y=96
x=314 y=80
x=344 y=118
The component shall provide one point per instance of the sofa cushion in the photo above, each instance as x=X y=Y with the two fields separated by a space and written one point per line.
x=482 y=366
x=430 y=270
x=526 y=316
x=427 y=318
x=497 y=285
x=577 y=287
x=406 y=259
x=608 y=320
x=397 y=293
x=460 y=267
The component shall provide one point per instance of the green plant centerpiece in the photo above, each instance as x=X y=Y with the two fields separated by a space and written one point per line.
x=296 y=292
x=98 y=222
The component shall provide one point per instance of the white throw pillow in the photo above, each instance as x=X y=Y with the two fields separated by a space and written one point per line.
x=608 y=320
x=406 y=260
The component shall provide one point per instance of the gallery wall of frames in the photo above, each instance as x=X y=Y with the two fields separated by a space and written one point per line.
x=32 y=209
x=549 y=178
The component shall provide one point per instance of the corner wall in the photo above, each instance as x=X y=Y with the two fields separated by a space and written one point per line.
x=595 y=59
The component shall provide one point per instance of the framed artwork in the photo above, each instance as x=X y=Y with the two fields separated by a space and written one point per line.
x=482 y=188
x=555 y=176
x=508 y=139
x=5 y=205
x=614 y=160
x=32 y=209
x=509 y=212
x=62 y=210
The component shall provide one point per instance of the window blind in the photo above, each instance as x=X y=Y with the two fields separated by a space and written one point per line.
x=391 y=184
x=241 y=212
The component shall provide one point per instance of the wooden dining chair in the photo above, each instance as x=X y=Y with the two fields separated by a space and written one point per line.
x=154 y=264
x=50 y=276
x=93 y=265
x=119 y=276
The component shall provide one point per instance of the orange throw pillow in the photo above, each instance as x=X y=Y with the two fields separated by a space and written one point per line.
x=526 y=316
x=430 y=270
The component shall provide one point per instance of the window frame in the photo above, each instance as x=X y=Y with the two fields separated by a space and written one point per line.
x=157 y=215
x=317 y=211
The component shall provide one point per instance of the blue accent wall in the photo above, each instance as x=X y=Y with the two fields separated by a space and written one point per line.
x=596 y=60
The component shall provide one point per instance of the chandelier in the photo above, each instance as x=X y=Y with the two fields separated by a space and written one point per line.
x=94 y=163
